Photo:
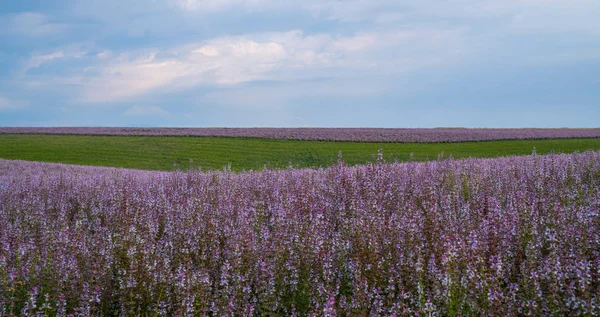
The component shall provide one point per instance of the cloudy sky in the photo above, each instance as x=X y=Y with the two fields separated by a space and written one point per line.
x=352 y=63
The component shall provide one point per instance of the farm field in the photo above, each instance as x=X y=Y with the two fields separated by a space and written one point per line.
x=299 y=158
x=397 y=135
x=514 y=236
x=210 y=153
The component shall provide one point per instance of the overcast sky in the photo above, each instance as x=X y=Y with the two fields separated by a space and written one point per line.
x=354 y=63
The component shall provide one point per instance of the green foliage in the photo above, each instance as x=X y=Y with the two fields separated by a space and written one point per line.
x=212 y=153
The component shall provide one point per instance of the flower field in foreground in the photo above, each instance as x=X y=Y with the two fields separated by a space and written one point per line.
x=515 y=236
x=330 y=134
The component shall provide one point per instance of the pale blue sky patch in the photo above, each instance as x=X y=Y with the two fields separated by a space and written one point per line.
x=472 y=63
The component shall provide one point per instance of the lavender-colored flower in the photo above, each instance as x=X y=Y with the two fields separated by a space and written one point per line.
x=328 y=134
x=507 y=236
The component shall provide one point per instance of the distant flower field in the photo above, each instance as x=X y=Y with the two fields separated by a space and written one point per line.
x=515 y=236
x=332 y=134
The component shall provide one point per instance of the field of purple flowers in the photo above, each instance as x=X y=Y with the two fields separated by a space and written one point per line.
x=516 y=236
x=331 y=134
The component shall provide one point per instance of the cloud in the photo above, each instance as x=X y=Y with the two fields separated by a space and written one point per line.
x=219 y=5
x=279 y=96
x=222 y=61
x=557 y=16
x=32 y=24
x=460 y=11
x=234 y=60
x=123 y=79
x=544 y=16
x=278 y=56
x=38 y=60
x=145 y=111
x=357 y=42
x=7 y=105
x=104 y=54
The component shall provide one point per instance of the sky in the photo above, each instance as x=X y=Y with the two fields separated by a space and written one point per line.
x=258 y=63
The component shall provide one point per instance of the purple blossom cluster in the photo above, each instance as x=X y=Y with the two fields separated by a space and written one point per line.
x=330 y=134
x=515 y=236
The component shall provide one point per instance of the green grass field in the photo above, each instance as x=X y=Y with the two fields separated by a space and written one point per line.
x=209 y=153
